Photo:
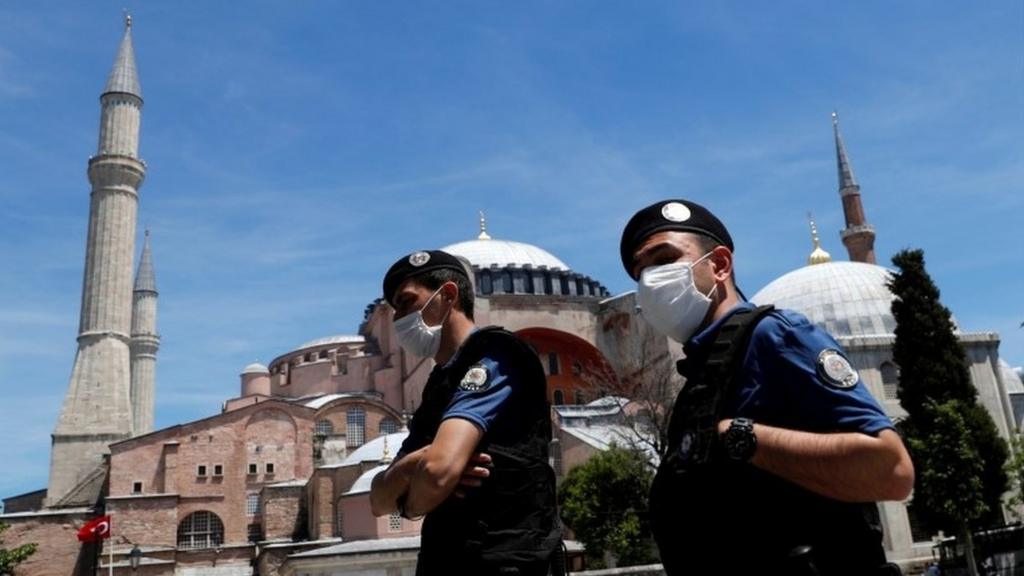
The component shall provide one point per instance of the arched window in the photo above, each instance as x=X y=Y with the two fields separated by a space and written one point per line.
x=324 y=427
x=559 y=398
x=202 y=529
x=388 y=426
x=890 y=380
x=485 y=283
x=506 y=282
x=355 y=433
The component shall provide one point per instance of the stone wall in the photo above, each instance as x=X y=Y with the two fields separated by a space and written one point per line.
x=56 y=533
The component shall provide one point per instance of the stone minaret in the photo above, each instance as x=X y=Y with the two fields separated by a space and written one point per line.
x=145 y=343
x=858 y=236
x=97 y=408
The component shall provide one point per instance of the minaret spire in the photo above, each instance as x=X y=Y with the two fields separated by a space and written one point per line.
x=97 y=409
x=858 y=236
x=483 y=228
x=846 y=178
x=124 y=78
x=145 y=342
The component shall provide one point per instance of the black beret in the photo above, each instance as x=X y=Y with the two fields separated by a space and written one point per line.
x=419 y=263
x=678 y=215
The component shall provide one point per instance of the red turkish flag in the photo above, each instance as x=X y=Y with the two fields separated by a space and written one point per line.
x=96 y=529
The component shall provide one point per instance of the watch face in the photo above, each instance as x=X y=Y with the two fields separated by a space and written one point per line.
x=740 y=441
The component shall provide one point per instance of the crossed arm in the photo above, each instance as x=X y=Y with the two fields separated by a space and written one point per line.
x=431 y=474
x=846 y=466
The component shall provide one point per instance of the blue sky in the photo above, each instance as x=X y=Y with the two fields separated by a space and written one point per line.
x=295 y=149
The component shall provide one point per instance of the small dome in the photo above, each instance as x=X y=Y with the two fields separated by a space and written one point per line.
x=330 y=340
x=845 y=298
x=485 y=253
x=255 y=368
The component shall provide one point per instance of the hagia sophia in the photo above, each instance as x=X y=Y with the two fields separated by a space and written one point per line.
x=276 y=479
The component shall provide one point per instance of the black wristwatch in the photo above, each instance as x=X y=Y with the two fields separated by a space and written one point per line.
x=739 y=440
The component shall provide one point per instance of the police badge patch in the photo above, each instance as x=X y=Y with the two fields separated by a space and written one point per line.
x=419 y=258
x=675 y=212
x=836 y=370
x=475 y=379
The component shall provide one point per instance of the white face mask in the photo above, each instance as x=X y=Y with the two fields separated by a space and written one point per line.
x=415 y=336
x=670 y=301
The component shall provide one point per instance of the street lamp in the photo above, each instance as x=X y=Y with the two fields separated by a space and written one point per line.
x=135 y=558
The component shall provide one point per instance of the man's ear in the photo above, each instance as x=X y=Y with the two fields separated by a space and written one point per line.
x=450 y=292
x=721 y=259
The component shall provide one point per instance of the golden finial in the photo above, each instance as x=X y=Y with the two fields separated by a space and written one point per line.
x=483 y=228
x=818 y=255
x=385 y=455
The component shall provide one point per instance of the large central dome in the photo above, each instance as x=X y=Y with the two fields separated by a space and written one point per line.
x=502 y=253
x=509 y=267
x=845 y=298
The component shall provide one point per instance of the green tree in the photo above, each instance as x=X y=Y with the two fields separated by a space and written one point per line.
x=11 y=558
x=933 y=372
x=1015 y=470
x=604 y=501
x=949 y=471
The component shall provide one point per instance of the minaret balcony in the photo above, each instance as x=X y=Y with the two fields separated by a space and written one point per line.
x=116 y=170
x=856 y=231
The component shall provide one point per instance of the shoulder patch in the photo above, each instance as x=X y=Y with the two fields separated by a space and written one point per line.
x=836 y=370
x=475 y=379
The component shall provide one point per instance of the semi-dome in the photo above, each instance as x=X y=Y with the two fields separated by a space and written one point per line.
x=255 y=368
x=845 y=298
x=502 y=253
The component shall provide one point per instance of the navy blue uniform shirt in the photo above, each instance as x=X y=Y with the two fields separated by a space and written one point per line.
x=782 y=381
x=490 y=397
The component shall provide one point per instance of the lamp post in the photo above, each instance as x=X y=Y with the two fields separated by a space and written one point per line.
x=135 y=558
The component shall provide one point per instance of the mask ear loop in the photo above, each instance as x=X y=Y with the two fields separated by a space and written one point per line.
x=447 y=313
x=713 y=288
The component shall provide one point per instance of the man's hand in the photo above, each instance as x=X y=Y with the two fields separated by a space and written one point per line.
x=478 y=468
x=388 y=486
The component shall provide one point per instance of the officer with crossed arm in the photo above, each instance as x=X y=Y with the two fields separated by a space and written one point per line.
x=476 y=459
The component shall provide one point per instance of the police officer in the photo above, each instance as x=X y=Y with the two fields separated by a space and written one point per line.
x=476 y=459
x=777 y=451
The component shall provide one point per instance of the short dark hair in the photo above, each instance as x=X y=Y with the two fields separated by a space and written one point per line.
x=434 y=279
x=704 y=242
x=707 y=244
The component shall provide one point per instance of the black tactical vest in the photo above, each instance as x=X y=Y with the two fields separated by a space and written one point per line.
x=510 y=524
x=711 y=515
